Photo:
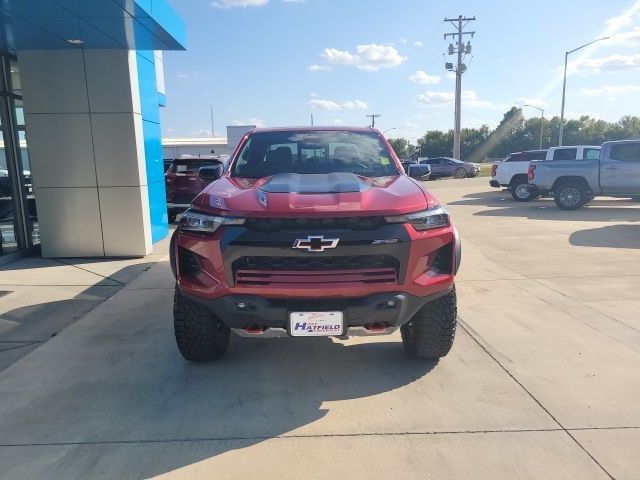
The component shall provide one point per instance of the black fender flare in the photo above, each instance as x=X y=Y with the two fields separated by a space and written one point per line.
x=457 y=248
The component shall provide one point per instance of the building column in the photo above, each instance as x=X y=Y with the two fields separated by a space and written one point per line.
x=92 y=151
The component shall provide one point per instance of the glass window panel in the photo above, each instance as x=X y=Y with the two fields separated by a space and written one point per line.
x=14 y=69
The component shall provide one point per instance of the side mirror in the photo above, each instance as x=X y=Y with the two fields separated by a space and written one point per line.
x=419 y=171
x=210 y=174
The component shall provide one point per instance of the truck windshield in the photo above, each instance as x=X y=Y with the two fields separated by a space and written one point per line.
x=270 y=153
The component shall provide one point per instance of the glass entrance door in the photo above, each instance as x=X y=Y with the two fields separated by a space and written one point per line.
x=18 y=217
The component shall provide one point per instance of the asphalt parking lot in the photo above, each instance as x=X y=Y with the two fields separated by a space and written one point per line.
x=542 y=381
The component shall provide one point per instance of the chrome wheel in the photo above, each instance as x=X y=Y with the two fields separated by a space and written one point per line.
x=570 y=196
x=522 y=191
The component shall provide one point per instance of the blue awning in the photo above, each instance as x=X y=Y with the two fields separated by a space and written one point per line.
x=58 y=24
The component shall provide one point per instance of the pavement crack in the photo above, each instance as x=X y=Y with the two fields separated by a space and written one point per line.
x=89 y=271
x=254 y=438
x=469 y=331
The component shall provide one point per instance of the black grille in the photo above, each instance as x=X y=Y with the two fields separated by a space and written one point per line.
x=184 y=199
x=351 y=223
x=352 y=262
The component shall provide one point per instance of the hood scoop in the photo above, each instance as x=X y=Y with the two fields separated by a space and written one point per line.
x=309 y=183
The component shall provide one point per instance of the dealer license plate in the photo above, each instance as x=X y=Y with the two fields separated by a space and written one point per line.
x=315 y=324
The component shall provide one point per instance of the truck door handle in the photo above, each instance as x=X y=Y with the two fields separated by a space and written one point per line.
x=611 y=167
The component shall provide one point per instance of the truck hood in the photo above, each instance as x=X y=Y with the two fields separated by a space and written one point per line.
x=315 y=195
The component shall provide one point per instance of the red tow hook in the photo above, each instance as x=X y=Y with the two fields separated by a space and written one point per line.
x=376 y=327
x=254 y=329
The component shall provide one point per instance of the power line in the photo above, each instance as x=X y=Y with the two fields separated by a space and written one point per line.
x=461 y=50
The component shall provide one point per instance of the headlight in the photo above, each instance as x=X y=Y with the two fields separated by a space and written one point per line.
x=198 y=222
x=425 y=220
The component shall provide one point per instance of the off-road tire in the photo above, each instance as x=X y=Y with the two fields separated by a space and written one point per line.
x=570 y=195
x=460 y=173
x=521 y=191
x=200 y=335
x=430 y=333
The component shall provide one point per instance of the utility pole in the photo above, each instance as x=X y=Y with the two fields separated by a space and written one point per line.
x=373 y=119
x=213 y=132
x=462 y=50
x=312 y=119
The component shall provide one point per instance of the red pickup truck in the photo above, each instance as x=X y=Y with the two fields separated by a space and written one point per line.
x=185 y=179
x=314 y=232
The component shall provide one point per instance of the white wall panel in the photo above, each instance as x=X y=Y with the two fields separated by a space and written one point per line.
x=69 y=221
x=53 y=81
x=119 y=149
x=61 y=150
x=125 y=220
x=108 y=82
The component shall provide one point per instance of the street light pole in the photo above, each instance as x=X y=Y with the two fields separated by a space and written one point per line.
x=389 y=129
x=541 y=122
x=564 y=83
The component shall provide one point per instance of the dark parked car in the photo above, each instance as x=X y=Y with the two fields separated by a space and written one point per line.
x=416 y=170
x=187 y=177
x=450 y=167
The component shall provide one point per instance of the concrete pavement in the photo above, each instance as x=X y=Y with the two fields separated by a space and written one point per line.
x=542 y=381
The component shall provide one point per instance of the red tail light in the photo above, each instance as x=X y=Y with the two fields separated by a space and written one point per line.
x=494 y=169
x=531 y=174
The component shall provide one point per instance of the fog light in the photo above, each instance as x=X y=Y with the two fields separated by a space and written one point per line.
x=241 y=305
x=391 y=303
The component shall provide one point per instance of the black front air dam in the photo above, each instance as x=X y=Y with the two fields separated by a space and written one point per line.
x=239 y=311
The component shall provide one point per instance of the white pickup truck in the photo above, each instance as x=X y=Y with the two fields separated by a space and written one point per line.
x=511 y=173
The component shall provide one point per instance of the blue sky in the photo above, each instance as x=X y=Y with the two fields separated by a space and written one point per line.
x=274 y=62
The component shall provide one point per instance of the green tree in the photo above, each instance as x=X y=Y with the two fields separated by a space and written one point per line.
x=401 y=146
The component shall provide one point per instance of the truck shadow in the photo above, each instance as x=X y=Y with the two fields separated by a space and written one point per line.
x=599 y=210
x=613 y=236
x=114 y=387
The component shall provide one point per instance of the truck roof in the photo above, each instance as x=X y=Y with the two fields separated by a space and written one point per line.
x=308 y=128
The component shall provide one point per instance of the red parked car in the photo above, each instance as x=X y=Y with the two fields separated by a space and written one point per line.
x=187 y=177
x=314 y=232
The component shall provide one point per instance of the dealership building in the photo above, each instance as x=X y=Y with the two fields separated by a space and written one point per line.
x=81 y=86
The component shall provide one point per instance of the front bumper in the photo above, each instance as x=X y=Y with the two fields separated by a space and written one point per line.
x=243 y=313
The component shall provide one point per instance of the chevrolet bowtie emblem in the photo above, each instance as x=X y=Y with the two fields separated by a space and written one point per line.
x=316 y=243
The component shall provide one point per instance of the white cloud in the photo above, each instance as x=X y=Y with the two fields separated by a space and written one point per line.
x=451 y=75
x=313 y=94
x=435 y=98
x=319 y=68
x=610 y=63
x=330 y=105
x=404 y=41
x=418 y=44
x=239 y=3
x=611 y=90
x=258 y=122
x=337 y=121
x=623 y=20
x=626 y=39
x=423 y=78
x=469 y=99
x=371 y=58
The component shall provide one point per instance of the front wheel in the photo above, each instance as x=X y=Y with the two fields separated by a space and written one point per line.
x=200 y=335
x=460 y=173
x=430 y=333
x=570 y=196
